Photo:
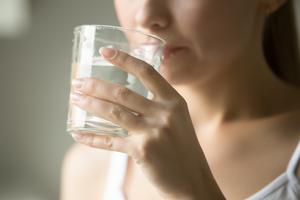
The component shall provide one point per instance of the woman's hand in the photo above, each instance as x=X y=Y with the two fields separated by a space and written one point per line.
x=161 y=139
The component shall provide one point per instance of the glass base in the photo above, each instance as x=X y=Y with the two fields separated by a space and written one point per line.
x=97 y=128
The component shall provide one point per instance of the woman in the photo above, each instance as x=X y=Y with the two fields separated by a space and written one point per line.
x=221 y=124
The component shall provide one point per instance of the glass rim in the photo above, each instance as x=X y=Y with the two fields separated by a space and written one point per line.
x=77 y=28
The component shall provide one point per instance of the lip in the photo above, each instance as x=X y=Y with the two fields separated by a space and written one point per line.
x=170 y=51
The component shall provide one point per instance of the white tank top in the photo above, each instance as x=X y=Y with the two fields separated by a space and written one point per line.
x=116 y=177
x=284 y=187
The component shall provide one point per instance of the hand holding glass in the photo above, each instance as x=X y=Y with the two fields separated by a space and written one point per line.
x=88 y=62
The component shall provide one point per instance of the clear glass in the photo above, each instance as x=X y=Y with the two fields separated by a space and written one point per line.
x=87 y=62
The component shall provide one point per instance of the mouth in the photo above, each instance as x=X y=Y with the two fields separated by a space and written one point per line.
x=170 y=51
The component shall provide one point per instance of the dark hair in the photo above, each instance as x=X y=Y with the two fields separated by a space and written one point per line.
x=280 y=43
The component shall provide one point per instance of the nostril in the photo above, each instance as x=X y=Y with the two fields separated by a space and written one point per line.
x=156 y=26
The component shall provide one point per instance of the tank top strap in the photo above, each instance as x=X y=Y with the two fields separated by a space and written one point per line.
x=292 y=169
x=115 y=177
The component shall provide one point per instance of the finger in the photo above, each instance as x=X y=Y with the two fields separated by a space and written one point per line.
x=109 y=111
x=150 y=78
x=115 y=93
x=112 y=143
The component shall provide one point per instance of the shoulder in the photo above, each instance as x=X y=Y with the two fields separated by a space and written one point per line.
x=80 y=158
x=83 y=173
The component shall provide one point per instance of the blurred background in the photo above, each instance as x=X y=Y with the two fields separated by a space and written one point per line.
x=35 y=55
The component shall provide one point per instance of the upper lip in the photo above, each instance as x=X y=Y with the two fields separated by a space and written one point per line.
x=169 y=48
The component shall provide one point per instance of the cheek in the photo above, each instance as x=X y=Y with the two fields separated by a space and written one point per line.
x=125 y=13
x=218 y=26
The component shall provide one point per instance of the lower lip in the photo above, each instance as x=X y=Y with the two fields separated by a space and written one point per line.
x=168 y=54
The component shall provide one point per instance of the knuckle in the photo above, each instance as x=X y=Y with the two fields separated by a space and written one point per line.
x=105 y=142
x=166 y=120
x=90 y=140
x=163 y=130
x=170 y=119
x=178 y=103
x=122 y=94
x=115 y=113
x=90 y=85
x=122 y=58
x=108 y=142
x=145 y=70
x=166 y=124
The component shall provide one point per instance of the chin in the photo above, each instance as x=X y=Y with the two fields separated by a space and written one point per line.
x=174 y=76
x=185 y=74
x=182 y=69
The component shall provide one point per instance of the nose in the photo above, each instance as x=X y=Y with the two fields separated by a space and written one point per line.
x=152 y=15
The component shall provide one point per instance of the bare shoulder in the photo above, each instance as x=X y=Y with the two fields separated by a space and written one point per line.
x=84 y=173
x=86 y=156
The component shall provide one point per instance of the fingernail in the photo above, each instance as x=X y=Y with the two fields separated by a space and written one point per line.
x=78 y=136
x=109 y=53
x=77 y=83
x=76 y=97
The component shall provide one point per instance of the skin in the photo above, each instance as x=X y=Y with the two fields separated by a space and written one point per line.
x=217 y=115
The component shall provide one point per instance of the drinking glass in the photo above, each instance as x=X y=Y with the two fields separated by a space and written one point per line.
x=88 y=62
